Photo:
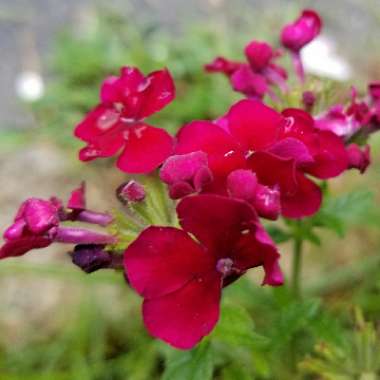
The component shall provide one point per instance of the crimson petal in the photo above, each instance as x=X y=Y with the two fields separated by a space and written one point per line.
x=254 y=124
x=20 y=246
x=156 y=91
x=306 y=201
x=272 y=170
x=164 y=259
x=224 y=153
x=146 y=148
x=216 y=221
x=330 y=158
x=184 y=317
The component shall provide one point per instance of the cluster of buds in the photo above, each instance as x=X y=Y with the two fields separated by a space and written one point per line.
x=221 y=175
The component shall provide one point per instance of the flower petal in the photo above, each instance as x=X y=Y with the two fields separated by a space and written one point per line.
x=256 y=249
x=296 y=35
x=146 y=148
x=242 y=184
x=222 y=65
x=224 y=153
x=182 y=167
x=306 y=201
x=292 y=148
x=156 y=91
x=272 y=170
x=184 y=317
x=249 y=83
x=77 y=199
x=162 y=260
x=40 y=215
x=20 y=246
x=254 y=124
x=330 y=157
x=259 y=54
x=216 y=221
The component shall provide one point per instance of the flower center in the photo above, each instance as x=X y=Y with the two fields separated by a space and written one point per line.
x=225 y=266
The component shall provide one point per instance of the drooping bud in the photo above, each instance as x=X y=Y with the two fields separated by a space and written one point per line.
x=296 y=35
x=308 y=100
x=91 y=258
x=374 y=91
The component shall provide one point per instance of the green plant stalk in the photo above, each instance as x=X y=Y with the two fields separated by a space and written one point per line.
x=297 y=265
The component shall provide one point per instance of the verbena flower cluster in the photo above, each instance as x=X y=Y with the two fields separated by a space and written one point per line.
x=221 y=175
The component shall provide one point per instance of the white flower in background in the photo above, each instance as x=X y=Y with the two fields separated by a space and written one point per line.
x=29 y=86
x=320 y=58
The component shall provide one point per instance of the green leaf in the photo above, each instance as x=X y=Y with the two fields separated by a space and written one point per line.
x=278 y=234
x=337 y=212
x=236 y=328
x=196 y=364
x=234 y=372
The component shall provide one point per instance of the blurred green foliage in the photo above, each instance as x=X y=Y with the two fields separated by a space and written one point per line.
x=81 y=62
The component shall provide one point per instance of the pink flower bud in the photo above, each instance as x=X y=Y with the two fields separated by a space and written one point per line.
x=131 y=191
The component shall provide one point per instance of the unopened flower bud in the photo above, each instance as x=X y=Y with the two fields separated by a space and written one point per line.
x=131 y=191
x=91 y=258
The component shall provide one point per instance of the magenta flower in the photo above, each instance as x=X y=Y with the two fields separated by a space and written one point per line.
x=279 y=148
x=222 y=65
x=37 y=224
x=296 y=35
x=117 y=123
x=346 y=121
x=181 y=279
x=253 y=79
x=30 y=228
x=261 y=57
x=337 y=121
x=186 y=174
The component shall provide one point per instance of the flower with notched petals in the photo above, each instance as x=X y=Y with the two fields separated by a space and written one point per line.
x=181 y=279
x=280 y=148
x=253 y=79
x=117 y=123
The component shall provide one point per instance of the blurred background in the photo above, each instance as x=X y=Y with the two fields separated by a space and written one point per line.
x=57 y=323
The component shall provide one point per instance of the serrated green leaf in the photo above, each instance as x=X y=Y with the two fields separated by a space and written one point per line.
x=236 y=328
x=196 y=364
x=337 y=212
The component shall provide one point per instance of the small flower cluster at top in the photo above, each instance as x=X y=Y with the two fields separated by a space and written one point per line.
x=223 y=175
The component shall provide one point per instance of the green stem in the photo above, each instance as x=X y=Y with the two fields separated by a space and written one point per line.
x=297 y=264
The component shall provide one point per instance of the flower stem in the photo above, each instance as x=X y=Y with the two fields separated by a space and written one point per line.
x=297 y=263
